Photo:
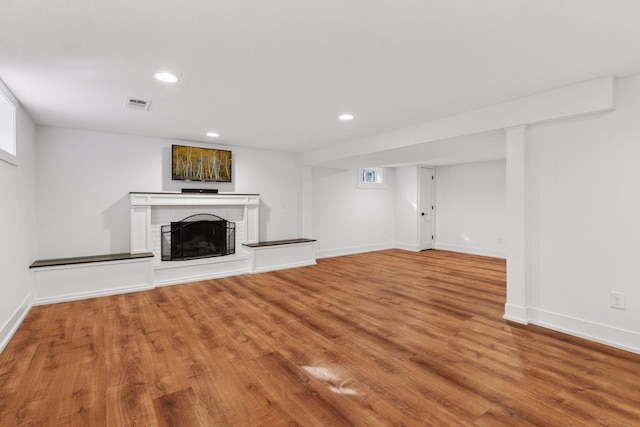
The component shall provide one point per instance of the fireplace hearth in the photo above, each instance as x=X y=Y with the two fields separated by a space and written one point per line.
x=197 y=236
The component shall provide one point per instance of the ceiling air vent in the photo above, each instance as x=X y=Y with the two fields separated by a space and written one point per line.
x=137 y=104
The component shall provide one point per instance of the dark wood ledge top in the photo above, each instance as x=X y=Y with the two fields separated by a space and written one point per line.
x=277 y=242
x=87 y=259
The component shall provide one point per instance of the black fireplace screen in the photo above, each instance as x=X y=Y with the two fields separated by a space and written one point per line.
x=198 y=236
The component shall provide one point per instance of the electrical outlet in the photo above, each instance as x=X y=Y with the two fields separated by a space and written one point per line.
x=617 y=300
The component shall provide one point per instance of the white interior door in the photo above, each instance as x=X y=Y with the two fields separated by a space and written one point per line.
x=427 y=208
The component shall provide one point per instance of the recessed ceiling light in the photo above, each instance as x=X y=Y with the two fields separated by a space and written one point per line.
x=166 y=77
x=346 y=117
x=213 y=134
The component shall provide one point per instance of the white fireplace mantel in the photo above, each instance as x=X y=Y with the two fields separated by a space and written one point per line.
x=142 y=203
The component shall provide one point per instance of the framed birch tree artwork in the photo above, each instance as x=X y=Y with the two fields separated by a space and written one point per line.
x=200 y=164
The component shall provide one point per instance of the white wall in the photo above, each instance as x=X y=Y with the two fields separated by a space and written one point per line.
x=347 y=219
x=585 y=222
x=471 y=208
x=17 y=228
x=84 y=180
x=406 y=208
x=277 y=177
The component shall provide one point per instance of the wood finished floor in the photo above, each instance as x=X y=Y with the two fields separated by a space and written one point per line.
x=385 y=338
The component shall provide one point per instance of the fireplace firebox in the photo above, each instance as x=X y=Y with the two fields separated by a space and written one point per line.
x=198 y=236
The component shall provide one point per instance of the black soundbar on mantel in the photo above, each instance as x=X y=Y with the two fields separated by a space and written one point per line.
x=200 y=190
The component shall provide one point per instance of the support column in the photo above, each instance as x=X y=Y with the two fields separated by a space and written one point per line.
x=517 y=226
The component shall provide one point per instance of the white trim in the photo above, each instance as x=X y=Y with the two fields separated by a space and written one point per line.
x=91 y=294
x=592 y=331
x=413 y=247
x=330 y=253
x=495 y=253
x=196 y=199
x=8 y=156
x=515 y=313
x=13 y=323
x=283 y=266
x=518 y=218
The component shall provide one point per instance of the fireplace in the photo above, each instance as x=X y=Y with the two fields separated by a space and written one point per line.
x=198 y=236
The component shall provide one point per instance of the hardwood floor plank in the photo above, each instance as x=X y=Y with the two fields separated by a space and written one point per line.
x=293 y=385
x=180 y=408
x=377 y=339
x=162 y=365
x=80 y=394
x=128 y=393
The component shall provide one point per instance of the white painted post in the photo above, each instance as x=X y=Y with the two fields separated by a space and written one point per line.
x=517 y=240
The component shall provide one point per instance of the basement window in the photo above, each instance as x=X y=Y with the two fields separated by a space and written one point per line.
x=7 y=125
x=370 y=178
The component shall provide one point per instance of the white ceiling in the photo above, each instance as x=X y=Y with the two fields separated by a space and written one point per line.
x=276 y=74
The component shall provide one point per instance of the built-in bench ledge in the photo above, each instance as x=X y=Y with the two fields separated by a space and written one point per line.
x=281 y=254
x=66 y=279
x=86 y=259
x=277 y=243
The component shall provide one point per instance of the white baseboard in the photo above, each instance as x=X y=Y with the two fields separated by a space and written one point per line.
x=592 y=331
x=329 y=253
x=515 y=313
x=282 y=267
x=13 y=323
x=413 y=247
x=472 y=250
x=91 y=294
